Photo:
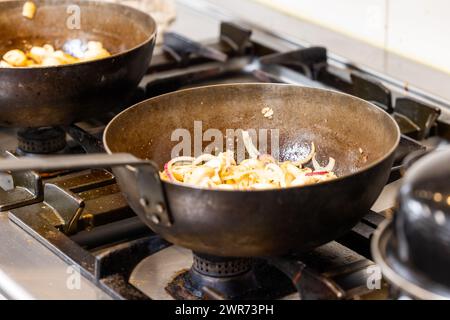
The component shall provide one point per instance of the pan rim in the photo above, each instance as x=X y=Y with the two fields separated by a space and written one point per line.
x=149 y=39
x=358 y=172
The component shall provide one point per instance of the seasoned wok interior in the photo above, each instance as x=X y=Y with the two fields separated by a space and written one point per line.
x=117 y=30
x=343 y=127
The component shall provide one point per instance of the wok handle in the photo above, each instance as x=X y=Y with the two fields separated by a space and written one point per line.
x=49 y=163
x=151 y=196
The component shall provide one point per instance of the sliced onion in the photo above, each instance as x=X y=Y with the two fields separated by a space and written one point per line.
x=224 y=186
x=237 y=176
x=279 y=172
x=200 y=174
x=329 y=167
x=216 y=178
x=180 y=159
x=266 y=158
x=250 y=163
x=229 y=158
x=261 y=186
x=168 y=166
x=308 y=158
x=293 y=170
x=215 y=163
x=251 y=149
x=299 y=181
x=203 y=158
x=260 y=171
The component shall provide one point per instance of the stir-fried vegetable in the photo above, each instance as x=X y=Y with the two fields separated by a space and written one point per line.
x=260 y=171
x=48 y=56
x=29 y=9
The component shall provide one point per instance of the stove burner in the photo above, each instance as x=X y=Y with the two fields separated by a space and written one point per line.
x=41 y=140
x=220 y=267
x=214 y=278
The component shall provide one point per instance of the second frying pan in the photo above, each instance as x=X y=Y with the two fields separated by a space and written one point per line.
x=49 y=96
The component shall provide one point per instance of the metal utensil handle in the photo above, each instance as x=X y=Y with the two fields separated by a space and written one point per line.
x=87 y=141
x=309 y=284
x=146 y=177
x=48 y=163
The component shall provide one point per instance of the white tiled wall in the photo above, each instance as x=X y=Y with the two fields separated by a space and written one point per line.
x=364 y=19
x=420 y=29
x=417 y=29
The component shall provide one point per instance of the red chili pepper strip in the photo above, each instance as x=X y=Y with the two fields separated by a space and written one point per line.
x=316 y=173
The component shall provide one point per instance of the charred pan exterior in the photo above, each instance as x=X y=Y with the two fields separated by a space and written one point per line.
x=270 y=222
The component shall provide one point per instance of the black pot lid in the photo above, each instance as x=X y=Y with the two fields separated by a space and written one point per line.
x=428 y=182
x=421 y=231
x=406 y=280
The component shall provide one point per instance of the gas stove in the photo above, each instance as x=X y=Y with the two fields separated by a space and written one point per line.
x=55 y=226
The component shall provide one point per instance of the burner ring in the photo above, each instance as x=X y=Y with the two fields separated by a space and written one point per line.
x=41 y=140
x=220 y=267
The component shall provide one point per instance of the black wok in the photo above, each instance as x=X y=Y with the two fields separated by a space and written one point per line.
x=46 y=96
x=249 y=223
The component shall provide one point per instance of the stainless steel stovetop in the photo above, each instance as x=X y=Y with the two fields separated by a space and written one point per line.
x=70 y=235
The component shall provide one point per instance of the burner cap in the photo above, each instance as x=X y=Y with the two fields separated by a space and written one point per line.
x=220 y=267
x=41 y=140
x=215 y=277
